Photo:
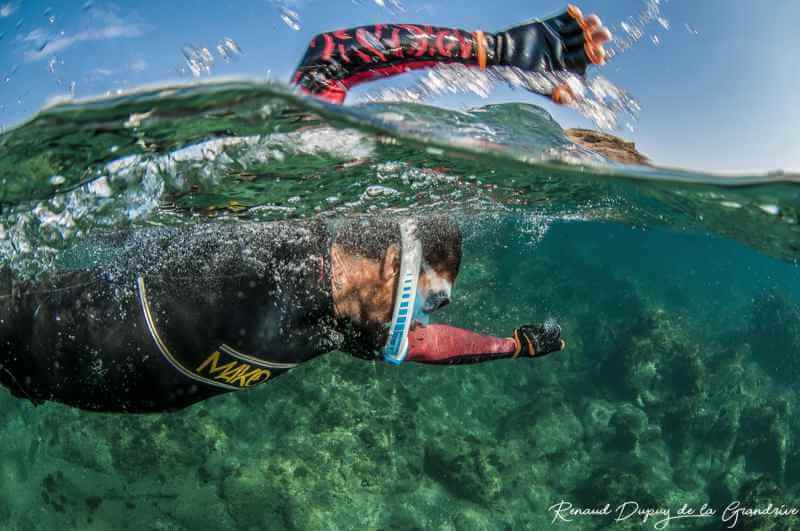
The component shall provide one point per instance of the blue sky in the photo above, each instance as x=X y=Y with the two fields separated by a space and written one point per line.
x=717 y=92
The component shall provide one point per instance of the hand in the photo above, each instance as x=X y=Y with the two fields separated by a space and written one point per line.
x=538 y=340
x=567 y=42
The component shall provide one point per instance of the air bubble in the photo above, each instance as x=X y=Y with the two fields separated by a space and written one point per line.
x=199 y=60
x=227 y=49
x=290 y=18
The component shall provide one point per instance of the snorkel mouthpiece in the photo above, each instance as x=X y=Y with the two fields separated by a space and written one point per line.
x=407 y=298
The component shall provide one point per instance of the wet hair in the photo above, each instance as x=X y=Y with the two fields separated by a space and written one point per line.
x=441 y=242
x=370 y=237
x=367 y=236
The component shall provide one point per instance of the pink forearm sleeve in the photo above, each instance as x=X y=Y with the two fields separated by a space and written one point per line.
x=448 y=345
x=338 y=60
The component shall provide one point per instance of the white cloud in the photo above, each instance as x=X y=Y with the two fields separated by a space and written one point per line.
x=103 y=23
x=427 y=9
x=6 y=10
x=105 y=16
x=37 y=36
x=138 y=65
x=61 y=43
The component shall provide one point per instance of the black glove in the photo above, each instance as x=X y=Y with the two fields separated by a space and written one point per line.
x=557 y=43
x=538 y=340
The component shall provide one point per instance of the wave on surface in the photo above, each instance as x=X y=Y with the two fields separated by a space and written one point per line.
x=239 y=149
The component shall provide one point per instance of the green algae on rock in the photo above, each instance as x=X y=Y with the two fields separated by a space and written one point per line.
x=774 y=335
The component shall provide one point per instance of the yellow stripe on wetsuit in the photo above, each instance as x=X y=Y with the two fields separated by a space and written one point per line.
x=238 y=372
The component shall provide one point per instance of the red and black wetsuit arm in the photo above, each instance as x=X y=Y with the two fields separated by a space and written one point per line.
x=339 y=60
x=447 y=345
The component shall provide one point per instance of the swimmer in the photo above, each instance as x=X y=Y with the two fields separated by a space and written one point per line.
x=339 y=60
x=174 y=316
x=159 y=319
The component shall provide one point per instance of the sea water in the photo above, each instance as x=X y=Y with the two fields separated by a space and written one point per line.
x=678 y=294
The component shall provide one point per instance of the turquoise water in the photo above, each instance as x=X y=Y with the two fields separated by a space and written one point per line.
x=677 y=292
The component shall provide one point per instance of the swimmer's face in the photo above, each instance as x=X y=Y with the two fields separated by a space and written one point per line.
x=436 y=286
x=377 y=289
x=437 y=276
x=364 y=288
x=442 y=252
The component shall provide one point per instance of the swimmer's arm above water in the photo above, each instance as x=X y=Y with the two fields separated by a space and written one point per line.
x=339 y=60
x=447 y=345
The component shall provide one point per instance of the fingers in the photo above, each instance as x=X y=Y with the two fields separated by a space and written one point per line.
x=591 y=22
x=575 y=13
x=600 y=35
x=538 y=340
x=595 y=35
x=563 y=94
x=595 y=53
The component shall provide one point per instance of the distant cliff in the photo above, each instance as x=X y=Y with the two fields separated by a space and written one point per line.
x=610 y=146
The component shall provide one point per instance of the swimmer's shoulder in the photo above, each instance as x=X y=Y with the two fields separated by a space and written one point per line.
x=222 y=248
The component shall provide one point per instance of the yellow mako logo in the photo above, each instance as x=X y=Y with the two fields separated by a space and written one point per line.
x=241 y=372
x=234 y=372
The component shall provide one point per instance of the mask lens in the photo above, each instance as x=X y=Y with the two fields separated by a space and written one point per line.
x=419 y=309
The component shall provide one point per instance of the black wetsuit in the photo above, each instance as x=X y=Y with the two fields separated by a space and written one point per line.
x=173 y=317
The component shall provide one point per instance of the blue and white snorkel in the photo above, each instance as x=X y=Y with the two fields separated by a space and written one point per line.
x=406 y=305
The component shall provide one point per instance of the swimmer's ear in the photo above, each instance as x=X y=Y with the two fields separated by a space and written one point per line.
x=391 y=262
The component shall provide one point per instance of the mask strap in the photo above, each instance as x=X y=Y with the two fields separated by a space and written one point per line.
x=396 y=348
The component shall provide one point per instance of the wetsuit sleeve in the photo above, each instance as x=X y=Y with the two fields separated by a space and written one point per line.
x=447 y=345
x=339 y=60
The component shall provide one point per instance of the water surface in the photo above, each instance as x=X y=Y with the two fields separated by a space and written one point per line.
x=677 y=292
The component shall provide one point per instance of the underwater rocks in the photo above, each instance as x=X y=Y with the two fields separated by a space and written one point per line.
x=764 y=438
x=649 y=359
x=613 y=484
x=546 y=423
x=610 y=146
x=762 y=493
x=627 y=424
x=671 y=400
x=774 y=336
x=469 y=473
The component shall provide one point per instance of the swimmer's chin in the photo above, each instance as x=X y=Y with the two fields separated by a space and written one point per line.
x=369 y=322
x=363 y=317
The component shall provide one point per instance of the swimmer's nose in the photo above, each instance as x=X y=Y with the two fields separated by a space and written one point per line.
x=437 y=302
x=442 y=303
